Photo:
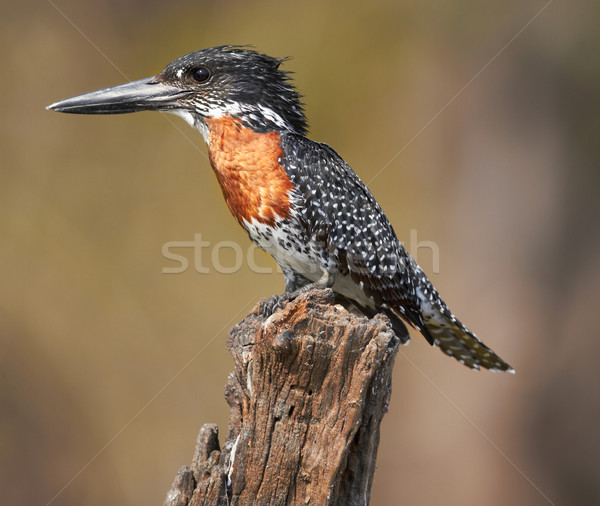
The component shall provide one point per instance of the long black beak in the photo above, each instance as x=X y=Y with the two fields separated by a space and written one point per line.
x=143 y=95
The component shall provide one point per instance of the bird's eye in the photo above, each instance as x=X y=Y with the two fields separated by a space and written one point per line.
x=200 y=75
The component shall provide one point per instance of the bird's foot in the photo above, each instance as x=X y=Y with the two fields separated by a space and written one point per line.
x=326 y=281
x=273 y=303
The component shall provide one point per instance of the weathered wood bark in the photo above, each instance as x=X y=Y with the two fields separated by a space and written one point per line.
x=310 y=387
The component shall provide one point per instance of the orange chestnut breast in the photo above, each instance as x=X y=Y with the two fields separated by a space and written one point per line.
x=254 y=183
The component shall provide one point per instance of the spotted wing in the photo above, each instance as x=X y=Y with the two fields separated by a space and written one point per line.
x=338 y=210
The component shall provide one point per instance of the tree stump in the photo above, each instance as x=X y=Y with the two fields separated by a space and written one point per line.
x=310 y=387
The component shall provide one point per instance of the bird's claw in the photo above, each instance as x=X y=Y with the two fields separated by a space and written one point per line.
x=273 y=303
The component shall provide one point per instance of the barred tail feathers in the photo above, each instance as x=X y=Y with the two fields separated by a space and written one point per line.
x=453 y=338
x=459 y=342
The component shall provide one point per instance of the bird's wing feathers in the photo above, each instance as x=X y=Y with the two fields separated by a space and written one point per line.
x=339 y=210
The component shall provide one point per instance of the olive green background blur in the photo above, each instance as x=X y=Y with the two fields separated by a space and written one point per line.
x=108 y=366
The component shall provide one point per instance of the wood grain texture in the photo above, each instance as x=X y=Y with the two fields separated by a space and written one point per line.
x=310 y=388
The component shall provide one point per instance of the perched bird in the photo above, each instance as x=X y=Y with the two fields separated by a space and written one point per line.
x=297 y=198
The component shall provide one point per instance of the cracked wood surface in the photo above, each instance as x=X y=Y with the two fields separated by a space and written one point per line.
x=310 y=387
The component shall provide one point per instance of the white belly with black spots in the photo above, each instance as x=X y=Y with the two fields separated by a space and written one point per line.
x=286 y=242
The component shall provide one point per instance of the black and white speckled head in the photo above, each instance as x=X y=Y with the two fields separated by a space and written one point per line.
x=237 y=82
x=214 y=82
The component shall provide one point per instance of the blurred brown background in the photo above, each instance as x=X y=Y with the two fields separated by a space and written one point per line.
x=108 y=367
